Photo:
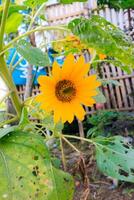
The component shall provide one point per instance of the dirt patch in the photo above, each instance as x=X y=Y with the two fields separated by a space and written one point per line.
x=90 y=184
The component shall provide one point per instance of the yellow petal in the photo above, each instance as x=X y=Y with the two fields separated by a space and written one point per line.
x=57 y=117
x=81 y=68
x=67 y=115
x=45 y=80
x=90 y=83
x=56 y=71
x=68 y=66
x=79 y=112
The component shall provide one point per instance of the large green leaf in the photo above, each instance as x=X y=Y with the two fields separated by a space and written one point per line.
x=26 y=171
x=32 y=54
x=106 y=38
x=13 y=22
x=115 y=158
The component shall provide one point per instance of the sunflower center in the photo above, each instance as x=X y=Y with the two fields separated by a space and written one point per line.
x=65 y=90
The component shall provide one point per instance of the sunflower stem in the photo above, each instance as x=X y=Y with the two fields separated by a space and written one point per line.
x=3 y=22
x=7 y=77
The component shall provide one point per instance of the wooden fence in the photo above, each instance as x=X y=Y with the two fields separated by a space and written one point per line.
x=118 y=97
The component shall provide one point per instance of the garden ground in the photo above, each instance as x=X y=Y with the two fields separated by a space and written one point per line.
x=90 y=183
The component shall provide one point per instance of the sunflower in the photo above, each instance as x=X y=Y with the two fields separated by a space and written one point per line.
x=68 y=89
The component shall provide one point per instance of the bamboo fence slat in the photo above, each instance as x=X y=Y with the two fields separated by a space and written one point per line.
x=123 y=91
x=117 y=90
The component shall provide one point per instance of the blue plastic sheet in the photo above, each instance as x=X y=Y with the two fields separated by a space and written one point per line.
x=20 y=72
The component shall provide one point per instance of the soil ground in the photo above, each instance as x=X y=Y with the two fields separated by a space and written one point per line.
x=90 y=183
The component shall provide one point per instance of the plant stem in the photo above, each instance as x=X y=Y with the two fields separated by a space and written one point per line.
x=46 y=28
x=70 y=144
x=7 y=77
x=100 y=61
x=3 y=99
x=79 y=138
x=12 y=60
x=3 y=22
x=8 y=121
x=62 y=154
x=36 y=15
x=15 y=65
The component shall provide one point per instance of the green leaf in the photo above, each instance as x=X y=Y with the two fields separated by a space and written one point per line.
x=58 y=127
x=125 y=4
x=70 y=1
x=48 y=122
x=13 y=8
x=100 y=98
x=93 y=131
x=5 y=131
x=106 y=38
x=115 y=158
x=34 y=3
x=32 y=54
x=56 y=162
x=24 y=123
x=26 y=171
x=127 y=68
x=13 y=22
x=16 y=8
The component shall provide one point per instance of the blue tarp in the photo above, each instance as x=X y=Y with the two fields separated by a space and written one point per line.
x=20 y=72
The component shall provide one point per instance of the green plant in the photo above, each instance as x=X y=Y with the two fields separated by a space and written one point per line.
x=26 y=170
x=117 y=3
x=100 y=121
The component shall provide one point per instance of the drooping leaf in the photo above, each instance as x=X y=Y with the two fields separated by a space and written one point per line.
x=106 y=38
x=70 y=1
x=13 y=22
x=115 y=158
x=26 y=171
x=32 y=54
